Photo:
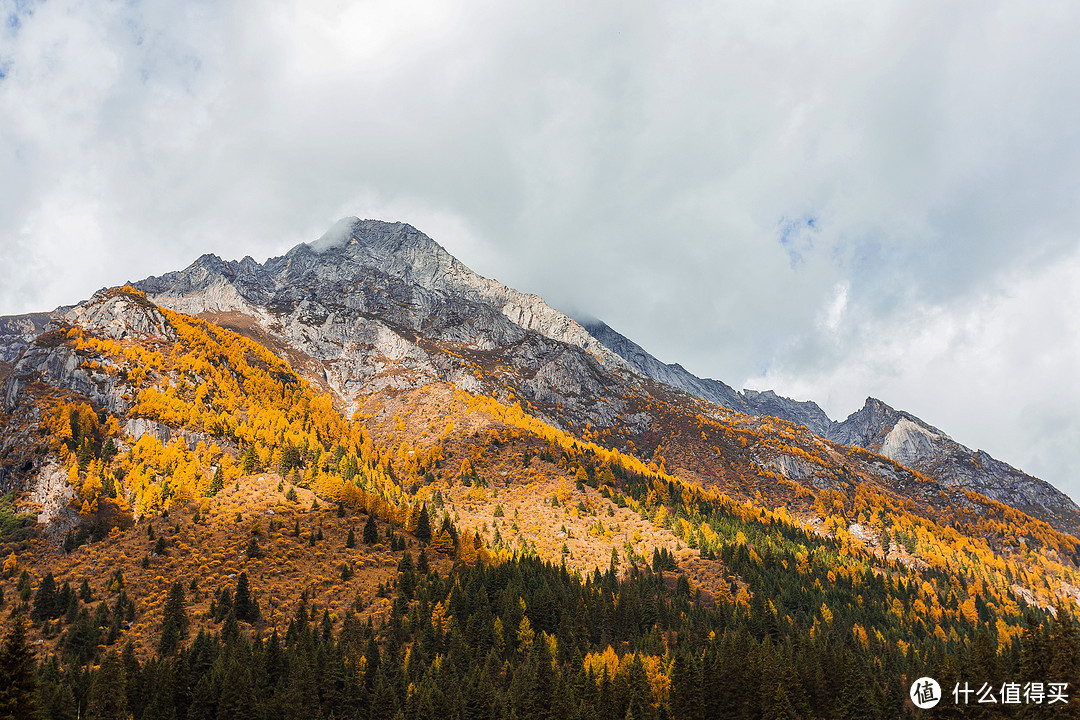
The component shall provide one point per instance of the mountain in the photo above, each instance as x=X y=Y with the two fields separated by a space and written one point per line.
x=364 y=479
x=374 y=306
x=902 y=437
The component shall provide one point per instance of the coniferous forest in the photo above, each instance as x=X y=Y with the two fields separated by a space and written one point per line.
x=518 y=639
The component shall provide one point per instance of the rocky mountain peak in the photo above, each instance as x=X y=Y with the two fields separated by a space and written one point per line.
x=118 y=314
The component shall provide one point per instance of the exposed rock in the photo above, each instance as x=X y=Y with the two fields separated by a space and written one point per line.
x=791 y=467
x=137 y=427
x=48 y=361
x=374 y=305
x=16 y=332
x=50 y=495
x=119 y=315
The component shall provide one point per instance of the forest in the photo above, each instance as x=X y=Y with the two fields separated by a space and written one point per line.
x=516 y=639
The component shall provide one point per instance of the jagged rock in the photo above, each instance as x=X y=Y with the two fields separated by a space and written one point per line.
x=374 y=305
x=46 y=360
x=794 y=468
x=16 y=332
x=137 y=427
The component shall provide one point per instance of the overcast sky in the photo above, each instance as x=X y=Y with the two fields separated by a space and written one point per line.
x=834 y=200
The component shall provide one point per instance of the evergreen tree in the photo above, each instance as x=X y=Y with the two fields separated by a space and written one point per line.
x=350 y=541
x=371 y=531
x=46 y=601
x=422 y=565
x=174 y=624
x=383 y=700
x=217 y=483
x=423 y=526
x=108 y=694
x=1065 y=657
x=250 y=461
x=685 y=699
x=246 y=608
x=18 y=679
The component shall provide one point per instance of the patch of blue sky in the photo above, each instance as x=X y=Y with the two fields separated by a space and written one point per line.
x=796 y=237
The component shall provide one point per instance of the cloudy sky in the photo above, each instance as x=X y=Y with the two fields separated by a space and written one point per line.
x=834 y=200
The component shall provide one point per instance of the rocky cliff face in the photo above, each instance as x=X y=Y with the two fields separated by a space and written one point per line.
x=46 y=359
x=16 y=332
x=902 y=437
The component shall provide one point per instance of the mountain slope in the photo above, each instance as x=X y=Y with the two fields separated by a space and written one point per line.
x=895 y=434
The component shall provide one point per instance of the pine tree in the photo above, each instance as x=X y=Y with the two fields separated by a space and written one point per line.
x=45 y=600
x=685 y=698
x=250 y=461
x=246 y=608
x=383 y=702
x=174 y=624
x=350 y=541
x=108 y=695
x=1065 y=657
x=18 y=676
x=422 y=564
x=371 y=531
x=1034 y=654
x=217 y=483
x=423 y=526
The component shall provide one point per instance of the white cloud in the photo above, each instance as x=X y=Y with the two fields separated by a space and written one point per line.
x=633 y=160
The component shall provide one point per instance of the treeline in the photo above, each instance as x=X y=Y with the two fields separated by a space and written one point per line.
x=520 y=639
